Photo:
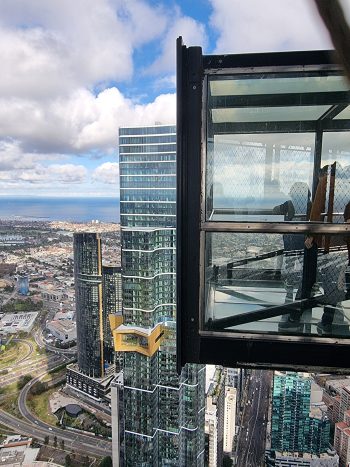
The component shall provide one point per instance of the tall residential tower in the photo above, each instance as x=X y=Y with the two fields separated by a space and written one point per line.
x=97 y=296
x=163 y=413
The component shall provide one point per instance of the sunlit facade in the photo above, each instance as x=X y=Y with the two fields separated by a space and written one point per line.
x=164 y=413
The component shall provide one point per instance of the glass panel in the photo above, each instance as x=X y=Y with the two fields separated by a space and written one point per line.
x=277 y=284
x=269 y=114
x=345 y=114
x=263 y=177
x=270 y=84
x=336 y=166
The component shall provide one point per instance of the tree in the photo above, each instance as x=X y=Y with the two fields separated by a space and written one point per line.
x=38 y=388
x=62 y=444
x=46 y=439
x=55 y=441
x=227 y=461
x=106 y=462
x=67 y=461
x=23 y=380
x=86 y=461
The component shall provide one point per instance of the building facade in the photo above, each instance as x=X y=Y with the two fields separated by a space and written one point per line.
x=230 y=419
x=296 y=426
x=164 y=413
x=97 y=294
x=112 y=305
x=88 y=296
x=215 y=417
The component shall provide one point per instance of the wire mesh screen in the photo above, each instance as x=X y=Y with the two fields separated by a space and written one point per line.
x=259 y=172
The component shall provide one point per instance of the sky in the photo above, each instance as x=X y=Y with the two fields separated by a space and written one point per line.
x=73 y=72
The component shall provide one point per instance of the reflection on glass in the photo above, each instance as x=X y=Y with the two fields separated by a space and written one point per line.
x=272 y=84
x=249 y=175
x=269 y=283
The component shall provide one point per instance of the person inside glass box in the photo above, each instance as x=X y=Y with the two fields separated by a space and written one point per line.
x=326 y=258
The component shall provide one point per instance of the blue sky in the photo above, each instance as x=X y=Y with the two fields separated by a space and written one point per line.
x=73 y=72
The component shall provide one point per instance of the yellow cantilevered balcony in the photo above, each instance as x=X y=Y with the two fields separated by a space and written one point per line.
x=136 y=339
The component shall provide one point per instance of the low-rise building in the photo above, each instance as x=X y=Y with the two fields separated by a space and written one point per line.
x=289 y=459
x=12 y=323
x=64 y=330
x=17 y=451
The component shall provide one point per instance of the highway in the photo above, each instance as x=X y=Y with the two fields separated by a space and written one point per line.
x=252 y=435
x=82 y=442
x=86 y=445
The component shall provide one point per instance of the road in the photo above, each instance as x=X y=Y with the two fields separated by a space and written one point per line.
x=73 y=441
x=83 y=442
x=252 y=434
x=46 y=362
x=39 y=339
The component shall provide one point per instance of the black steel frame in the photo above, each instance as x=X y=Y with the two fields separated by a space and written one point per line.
x=194 y=344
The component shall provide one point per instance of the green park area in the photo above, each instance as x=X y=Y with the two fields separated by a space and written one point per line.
x=39 y=405
x=9 y=395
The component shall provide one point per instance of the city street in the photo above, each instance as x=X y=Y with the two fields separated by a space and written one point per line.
x=252 y=435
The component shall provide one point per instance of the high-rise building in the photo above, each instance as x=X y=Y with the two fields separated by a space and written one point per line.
x=97 y=295
x=23 y=284
x=296 y=425
x=163 y=413
x=230 y=419
x=214 y=415
x=112 y=305
x=88 y=299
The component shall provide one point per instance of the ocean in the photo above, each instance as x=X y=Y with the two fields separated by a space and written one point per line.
x=60 y=209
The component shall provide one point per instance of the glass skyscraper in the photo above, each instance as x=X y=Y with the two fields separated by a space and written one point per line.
x=163 y=413
x=88 y=296
x=294 y=428
x=98 y=299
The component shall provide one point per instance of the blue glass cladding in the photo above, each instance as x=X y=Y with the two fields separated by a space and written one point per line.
x=148 y=176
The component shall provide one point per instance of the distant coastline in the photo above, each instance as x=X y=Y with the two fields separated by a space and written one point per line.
x=72 y=209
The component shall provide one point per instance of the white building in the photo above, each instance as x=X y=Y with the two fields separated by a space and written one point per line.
x=64 y=330
x=230 y=418
x=12 y=323
x=214 y=414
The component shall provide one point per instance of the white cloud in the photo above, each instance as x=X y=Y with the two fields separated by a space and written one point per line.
x=80 y=122
x=69 y=44
x=17 y=165
x=267 y=25
x=192 y=32
x=107 y=173
x=56 y=173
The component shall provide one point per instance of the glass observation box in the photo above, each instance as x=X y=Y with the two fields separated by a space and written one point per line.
x=263 y=239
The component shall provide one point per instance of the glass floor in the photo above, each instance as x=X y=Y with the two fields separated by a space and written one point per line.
x=230 y=303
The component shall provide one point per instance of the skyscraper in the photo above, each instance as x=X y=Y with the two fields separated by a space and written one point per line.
x=97 y=295
x=88 y=297
x=112 y=305
x=295 y=425
x=163 y=413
